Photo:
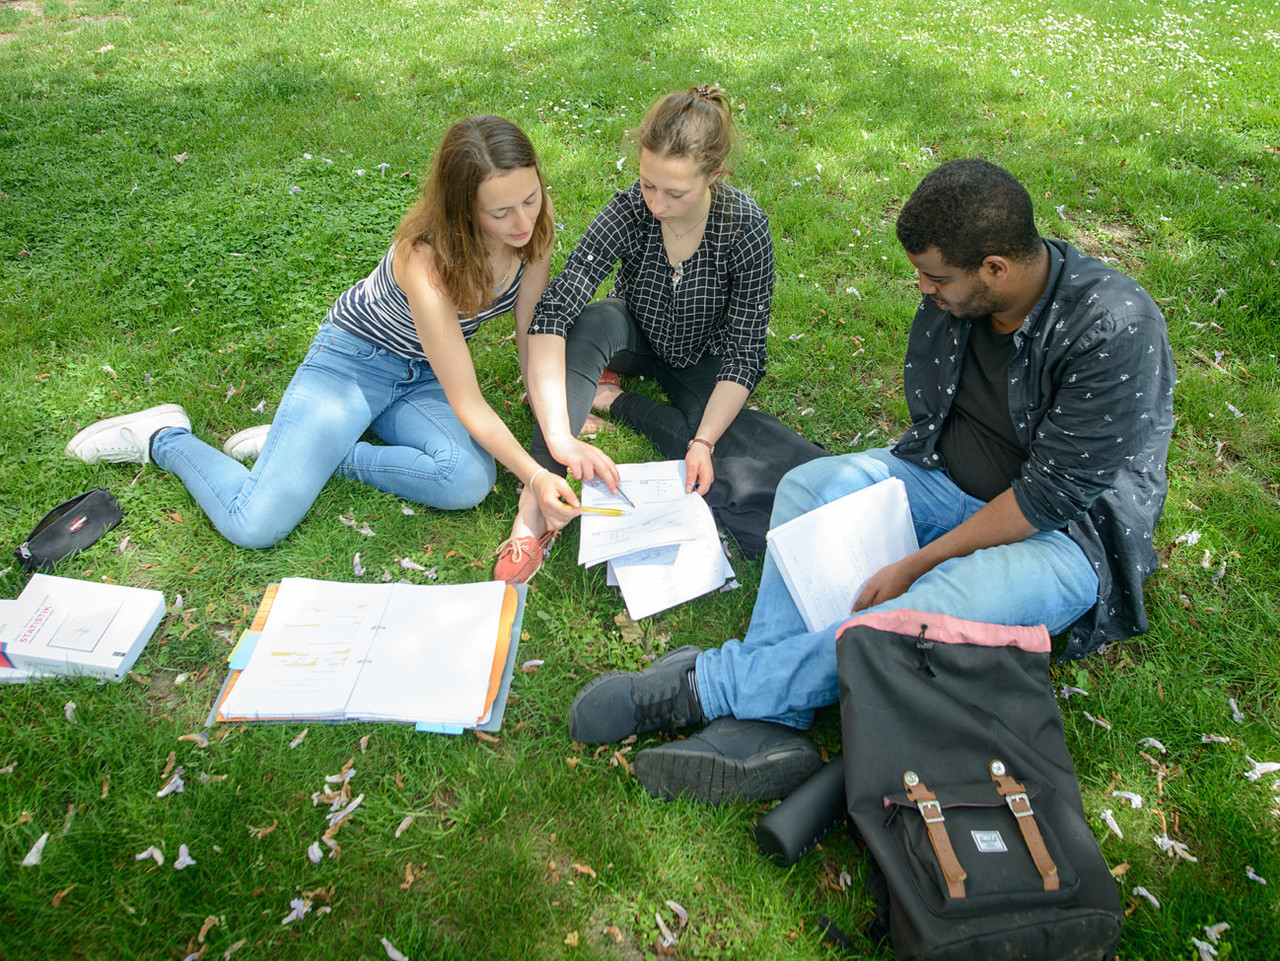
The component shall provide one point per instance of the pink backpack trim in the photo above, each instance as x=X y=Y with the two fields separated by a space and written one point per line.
x=944 y=629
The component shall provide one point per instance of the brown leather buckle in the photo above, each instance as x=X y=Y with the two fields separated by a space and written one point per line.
x=1015 y=796
x=935 y=823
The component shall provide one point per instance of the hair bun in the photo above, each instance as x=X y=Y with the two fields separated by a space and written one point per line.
x=710 y=92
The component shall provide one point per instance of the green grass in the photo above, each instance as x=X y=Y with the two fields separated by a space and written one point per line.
x=1146 y=133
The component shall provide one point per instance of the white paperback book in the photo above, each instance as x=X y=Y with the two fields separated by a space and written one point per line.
x=828 y=554
x=61 y=625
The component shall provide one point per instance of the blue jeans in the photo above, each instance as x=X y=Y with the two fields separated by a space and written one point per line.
x=344 y=386
x=782 y=672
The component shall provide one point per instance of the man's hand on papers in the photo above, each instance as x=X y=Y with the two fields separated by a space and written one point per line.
x=889 y=582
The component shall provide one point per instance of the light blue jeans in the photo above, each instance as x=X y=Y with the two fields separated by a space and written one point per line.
x=344 y=386
x=782 y=672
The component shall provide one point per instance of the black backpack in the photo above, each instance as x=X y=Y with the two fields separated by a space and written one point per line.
x=957 y=776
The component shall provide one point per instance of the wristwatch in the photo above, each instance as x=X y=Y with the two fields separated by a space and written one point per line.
x=711 y=448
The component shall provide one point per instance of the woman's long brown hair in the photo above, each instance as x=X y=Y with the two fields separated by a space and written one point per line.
x=472 y=150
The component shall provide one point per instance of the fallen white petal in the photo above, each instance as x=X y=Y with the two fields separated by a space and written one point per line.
x=1144 y=893
x=1190 y=538
x=1214 y=932
x=1135 y=800
x=342 y=778
x=37 y=852
x=1252 y=875
x=1214 y=739
x=1104 y=724
x=1109 y=819
x=1260 y=768
x=668 y=939
x=532 y=665
x=356 y=568
x=1235 y=410
x=1207 y=951
x=392 y=952
x=185 y=860
x=314 y=854
x=1067 y=690
x=152 y=852
x=69 y=709
x=410 y=565
x=407 y=511
x=1170 y=846
x=681 y=913
x=1236 y=714
x=1152 y=742
x=404 y=825
x=298 y=740
x=172 y=786
x=300 y=908
x=339 y=816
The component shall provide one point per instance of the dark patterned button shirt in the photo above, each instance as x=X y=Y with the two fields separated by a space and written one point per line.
x=716 y=302
x=1091 y=396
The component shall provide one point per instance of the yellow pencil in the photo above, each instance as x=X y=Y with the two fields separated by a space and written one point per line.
x=606 y=511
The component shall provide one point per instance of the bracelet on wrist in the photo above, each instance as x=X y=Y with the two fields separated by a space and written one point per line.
x=711 y=448
x=534 y=476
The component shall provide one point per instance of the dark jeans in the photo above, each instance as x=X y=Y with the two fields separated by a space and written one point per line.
x=751 y=456
x=606 y=336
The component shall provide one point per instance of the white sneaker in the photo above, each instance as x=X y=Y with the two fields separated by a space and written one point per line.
x=125 y=439
x=246 y=444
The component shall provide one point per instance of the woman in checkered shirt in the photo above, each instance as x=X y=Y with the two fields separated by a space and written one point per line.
x=689 y=308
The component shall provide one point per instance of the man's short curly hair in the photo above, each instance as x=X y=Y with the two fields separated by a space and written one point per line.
x=969 y=209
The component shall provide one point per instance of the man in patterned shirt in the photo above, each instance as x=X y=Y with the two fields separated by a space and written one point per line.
x=1040 y=384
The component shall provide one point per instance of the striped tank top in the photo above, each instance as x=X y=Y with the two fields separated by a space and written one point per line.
x=378 y=310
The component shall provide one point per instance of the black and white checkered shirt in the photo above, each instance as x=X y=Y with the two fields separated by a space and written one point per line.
x=716 y=302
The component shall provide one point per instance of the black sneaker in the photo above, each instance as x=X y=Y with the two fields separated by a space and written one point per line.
x=729 y=761
x=621 y=703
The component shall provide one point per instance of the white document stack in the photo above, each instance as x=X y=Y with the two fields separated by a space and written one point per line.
x=662 y=551
x=828 y=554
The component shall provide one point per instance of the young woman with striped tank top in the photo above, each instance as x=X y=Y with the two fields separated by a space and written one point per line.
x=391 y=355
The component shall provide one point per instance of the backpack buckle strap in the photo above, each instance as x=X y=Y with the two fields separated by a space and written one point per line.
x=935 y=823
x=1015 y=796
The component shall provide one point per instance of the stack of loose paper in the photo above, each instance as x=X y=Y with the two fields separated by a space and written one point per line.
x=439 y=656
x=60 y=625
x=828 y=554
x=664 y=548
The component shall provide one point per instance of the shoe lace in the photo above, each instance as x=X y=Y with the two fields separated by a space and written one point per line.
x=512 y=546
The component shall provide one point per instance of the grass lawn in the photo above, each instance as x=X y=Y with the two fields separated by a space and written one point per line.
x=185 y=187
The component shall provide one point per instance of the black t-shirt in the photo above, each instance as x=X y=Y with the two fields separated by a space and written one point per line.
x=981 y=451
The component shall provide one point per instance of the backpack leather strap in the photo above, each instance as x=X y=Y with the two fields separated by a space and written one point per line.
x=931 y=811
x=1015 y=796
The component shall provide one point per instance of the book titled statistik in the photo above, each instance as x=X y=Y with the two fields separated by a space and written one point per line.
x=60 y=625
